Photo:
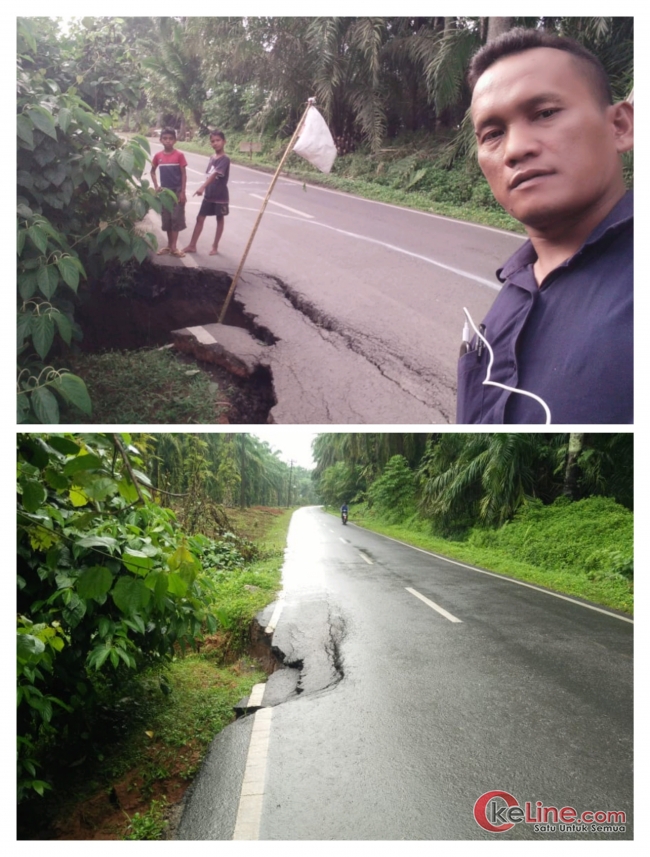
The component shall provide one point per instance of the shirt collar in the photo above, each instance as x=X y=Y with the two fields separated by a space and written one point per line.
x=621 y=214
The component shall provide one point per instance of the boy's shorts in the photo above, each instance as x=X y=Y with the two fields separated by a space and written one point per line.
x=212 y=209
x=174 y=220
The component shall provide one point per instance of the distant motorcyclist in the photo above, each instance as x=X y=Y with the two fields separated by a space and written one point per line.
x=344 y=513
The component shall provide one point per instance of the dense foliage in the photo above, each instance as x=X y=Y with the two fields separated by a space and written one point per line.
x=231 y=469
x=551 y=509
x=79 y=202
x=108 y=583
x=459 y=480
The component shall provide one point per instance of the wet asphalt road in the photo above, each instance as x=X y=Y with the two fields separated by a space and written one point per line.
x=403 y=718
x=366 y=299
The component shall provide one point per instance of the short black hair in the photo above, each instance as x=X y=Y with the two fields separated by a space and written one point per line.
x=520 y=39
x=169 y=132
x=218 y=133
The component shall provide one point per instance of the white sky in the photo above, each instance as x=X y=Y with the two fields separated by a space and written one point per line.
x=293 y=442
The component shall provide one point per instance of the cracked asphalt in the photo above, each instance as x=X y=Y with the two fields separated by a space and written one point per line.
x=398 y=719
x=366 y=299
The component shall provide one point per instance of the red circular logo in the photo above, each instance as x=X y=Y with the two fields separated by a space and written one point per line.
x=480 y=811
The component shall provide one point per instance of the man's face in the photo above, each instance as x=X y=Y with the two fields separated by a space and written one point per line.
x=168 y=141
x=548 y=149
x=217 y=144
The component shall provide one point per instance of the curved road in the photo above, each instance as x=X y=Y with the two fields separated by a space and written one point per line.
x=396 y=715
x=366 y=298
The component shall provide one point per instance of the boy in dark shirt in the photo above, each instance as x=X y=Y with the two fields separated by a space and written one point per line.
x=215 y=202
x=173 y=176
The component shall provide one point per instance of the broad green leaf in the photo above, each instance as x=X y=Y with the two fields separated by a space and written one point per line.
x=74 y=611
x=98 y=656
x=100 y=488
x=94 y=582
x=56 y=174
x=34 y=495
x=125 y=159
x=135 y=623
x=136 y=561
x=83 y=462
x=27 y=284
x=43 y=120
x=63 y=445
x=24 y=127
x=69 y=272
x=24 y=326
x=38 y=237
x=24 y=179
x=47 y=278
x=157 y=582
x=130 y=595
x=23 y=410
x=42 y=334
x=64 y=117
x=77 y=497
x=128 y=491
x=98 y=541
x=63 y=324
x=142 y=477
x=29 y=647
x=74 y=390
x=140 y=249
x=176 y=585
x=55 y=479
x=128 y=659
x=106 y=627
x=24 y=210
x=45 y=405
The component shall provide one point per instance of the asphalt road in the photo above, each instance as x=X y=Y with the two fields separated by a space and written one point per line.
x=366 y=298
x=399 y=716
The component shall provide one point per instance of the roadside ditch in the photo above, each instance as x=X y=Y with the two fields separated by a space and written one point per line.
x=146 y=303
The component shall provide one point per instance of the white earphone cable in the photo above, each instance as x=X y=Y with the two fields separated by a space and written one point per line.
x=487 y=381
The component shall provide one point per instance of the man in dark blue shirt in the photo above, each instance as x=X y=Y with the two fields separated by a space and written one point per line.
x=560 y=331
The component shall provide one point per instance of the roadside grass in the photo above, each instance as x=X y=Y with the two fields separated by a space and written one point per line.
x=405 y=175
x=598 y=586
x=166 y=718
x=149 y=385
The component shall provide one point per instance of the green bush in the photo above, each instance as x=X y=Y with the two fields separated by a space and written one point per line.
x=594 y=536
x=107 y=583
x=393 y=493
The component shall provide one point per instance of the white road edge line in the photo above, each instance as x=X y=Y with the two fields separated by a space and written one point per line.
x=249 y=814
x=367 y=559
x=280 y=205
x=510 y=580
x=273 y=623
x=433 y=605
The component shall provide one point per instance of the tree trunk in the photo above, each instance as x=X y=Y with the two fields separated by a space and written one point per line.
x=572 y=471
x=498 y=26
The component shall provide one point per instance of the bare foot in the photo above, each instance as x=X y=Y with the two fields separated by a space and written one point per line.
x=164 y=251
x=213 y=252
x=189 y=249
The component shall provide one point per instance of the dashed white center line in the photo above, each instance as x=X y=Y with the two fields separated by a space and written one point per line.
x=367 y=559
x=434 y=606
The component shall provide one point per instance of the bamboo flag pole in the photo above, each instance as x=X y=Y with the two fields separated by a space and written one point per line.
x=233 y=285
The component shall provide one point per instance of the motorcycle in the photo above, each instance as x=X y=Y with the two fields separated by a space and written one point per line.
x=344 y=517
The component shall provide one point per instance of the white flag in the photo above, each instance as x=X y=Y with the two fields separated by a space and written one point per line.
x=315 y=142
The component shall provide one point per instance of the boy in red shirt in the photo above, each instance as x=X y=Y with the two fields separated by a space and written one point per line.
x=215 y=202
x=173 y=177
